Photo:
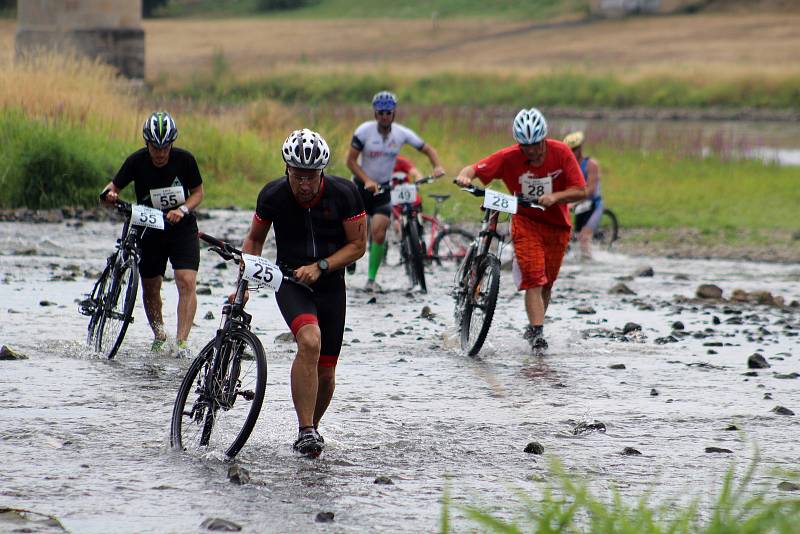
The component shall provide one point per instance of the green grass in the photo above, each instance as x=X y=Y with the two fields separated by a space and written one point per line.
x=568 y=88
x=513 y=9
x=570 y=507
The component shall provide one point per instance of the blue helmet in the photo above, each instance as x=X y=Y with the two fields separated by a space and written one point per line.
x=159 y=129
x=384 y=101
x=529 y=127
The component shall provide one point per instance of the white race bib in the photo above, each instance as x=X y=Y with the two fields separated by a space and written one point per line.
x=583 y=207
x=404 y=194
x=261 y=271
x=500 y=202
x=147 y=216
x=536 y=187
x=167 y=197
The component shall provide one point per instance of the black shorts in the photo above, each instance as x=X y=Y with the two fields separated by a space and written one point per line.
x=590 y=217
x=380 y=203
x=178 y=243
x=326 y=306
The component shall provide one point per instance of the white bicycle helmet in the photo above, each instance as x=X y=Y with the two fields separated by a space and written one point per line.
x=306 y=149
x=529 y=127
x=159 y=129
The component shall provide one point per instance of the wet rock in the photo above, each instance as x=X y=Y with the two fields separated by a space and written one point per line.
x=711 y=351
x=583 y=427
x=364 y=409
x=238 y=475
x=787 y=375
x=654 y=392
x=630 y=451
x=666 y=339
x=715 y=320
x=209 y=316
x=718 y=450
x=383 y=479
x=46 y=303
x=324 y=517
x=731 y=427
x=631 y=327
x=204 y=290
x=621 y=289
x=221 y=265
x=780 y=410
x=677 y=325
x=534 y=447
x=426 y=313
x=757 y=361
x=585 y=310
x=617 y=366
x=767 y=396
x=22 y=520
x=379 y=334
x=220 y=525
x=788 y=486
x=373 y=300
x=750 y=373
x=645 y=272
x=7 y=353
x=683 y=277
x=709 y=291
x=286 y=337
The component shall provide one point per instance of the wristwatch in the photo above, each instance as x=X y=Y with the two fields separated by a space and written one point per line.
x=323 y=265
x=184 y=209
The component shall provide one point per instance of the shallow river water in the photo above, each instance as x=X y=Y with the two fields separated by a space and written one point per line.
x=86 y=439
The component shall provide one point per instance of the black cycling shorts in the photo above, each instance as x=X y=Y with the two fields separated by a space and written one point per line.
x=380 y=203
x=326 y=306
x=590 y=217
x=178 y=243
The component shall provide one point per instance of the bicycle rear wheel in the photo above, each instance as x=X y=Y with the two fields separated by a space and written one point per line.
x=479 y=304
x=220 y=415
x=608 y=230
x=416 y=255
x=117 y=307
x=452 y=245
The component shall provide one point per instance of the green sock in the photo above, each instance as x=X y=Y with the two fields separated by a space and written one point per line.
x=376 y=253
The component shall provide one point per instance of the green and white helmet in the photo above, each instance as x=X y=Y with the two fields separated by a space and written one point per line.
x=159 y=129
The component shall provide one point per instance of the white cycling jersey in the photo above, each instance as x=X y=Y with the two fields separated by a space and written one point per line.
x=379 y=153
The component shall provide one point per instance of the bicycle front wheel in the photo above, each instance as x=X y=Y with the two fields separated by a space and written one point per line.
x=452 y=245
x=117 y=307
x=416 y=253
x=479 y=304
x=217 y=409
x=608 y=230
x=94 y=305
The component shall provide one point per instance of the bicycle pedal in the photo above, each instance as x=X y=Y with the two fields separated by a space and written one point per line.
x=247 y=395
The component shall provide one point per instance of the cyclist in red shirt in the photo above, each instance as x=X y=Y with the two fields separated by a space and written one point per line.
x=544 y=170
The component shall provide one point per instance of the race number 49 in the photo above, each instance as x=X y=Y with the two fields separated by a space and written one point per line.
x=262 y=272
x=404 y=194
x=147 y=216
x=497 y=201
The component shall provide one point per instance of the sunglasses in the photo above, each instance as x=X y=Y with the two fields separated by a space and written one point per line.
x=385 y=112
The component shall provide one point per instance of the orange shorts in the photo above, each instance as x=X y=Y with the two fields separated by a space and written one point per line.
x=538 y=251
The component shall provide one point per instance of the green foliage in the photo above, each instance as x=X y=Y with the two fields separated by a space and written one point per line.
x=51 y=166
x=150 y=6
x=283 y=5
x=556 y=89
x=571 y=508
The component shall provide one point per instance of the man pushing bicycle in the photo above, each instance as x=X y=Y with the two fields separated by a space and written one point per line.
x=320 y=227
x=545 y=171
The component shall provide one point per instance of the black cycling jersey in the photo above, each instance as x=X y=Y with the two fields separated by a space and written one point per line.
x=307 y=233
x=180 y=170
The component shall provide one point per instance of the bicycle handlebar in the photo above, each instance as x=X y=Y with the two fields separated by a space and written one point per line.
x=121 y=205
x=229 y=252
x=478 y=192
x=390 y=184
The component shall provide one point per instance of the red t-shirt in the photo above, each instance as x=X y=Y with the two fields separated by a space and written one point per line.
x=558 y=172
x=403 y=164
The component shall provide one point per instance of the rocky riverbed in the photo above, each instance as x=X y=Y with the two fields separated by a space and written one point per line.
x=688 y=377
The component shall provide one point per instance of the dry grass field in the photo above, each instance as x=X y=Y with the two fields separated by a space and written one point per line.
x=706 y=45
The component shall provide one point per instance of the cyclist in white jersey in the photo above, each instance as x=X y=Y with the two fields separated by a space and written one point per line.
x=378 y=143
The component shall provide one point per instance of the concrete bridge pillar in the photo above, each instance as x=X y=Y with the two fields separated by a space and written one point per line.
x=106 y=29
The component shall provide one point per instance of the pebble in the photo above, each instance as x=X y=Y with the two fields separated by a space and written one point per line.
x=645 y=272
x=585 y=310
x=534 y=447
x=221 y=525
x=383 y=479
x=718 y=449
x=780 y=410
x=709 y=291
x=631 y=327
x=617 y=366
x=286 y=337
x=630 y=451
x=238 y=475
x=209 y=316
x=324 y=517
x=426 y=313
x=7 y=353
x=582 y=428
x=203 y=290
x=767 y=396
x=46 y=303
x=373 y=300
x=731 y=427
x=788 y=486
x=654 y=392
x=621 y=289
x=757 y=361
x=677 y=325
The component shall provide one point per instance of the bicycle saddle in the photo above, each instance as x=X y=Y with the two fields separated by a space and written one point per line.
x=439 y=198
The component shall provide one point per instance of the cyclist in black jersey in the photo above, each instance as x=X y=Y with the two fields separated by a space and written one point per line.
x=166 y=178
x=320 y=227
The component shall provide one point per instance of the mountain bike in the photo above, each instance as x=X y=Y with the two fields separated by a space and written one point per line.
x=607 y=231
x=220 y=397
x=111 y=301
x=477 y=280
x=412 y=244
